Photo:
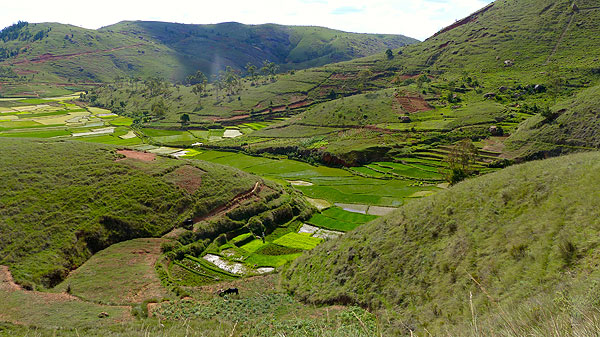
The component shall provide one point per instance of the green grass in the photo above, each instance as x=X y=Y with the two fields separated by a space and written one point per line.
x=103 y=280
x=295 y=240
x=517 y=232
x=121 y=121
x=270 y=260
x=36 y=134
x=326 y=222
x=253 y=246
x=340 y=214
x=87 y=201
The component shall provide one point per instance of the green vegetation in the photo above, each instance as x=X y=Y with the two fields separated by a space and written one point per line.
x=102 y=279
x=57 y=215
x=510 y=253
x=508 y=238
x=299 y=241
x=173 y=51
x=570 y=126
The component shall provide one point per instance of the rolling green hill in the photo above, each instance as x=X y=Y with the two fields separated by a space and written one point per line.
x=57 y=53
x=54 y=216
x=487 y=70
x=522 y=241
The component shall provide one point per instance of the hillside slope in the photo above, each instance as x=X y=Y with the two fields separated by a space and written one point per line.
x=571 y=125
x=55 y=214
x=64 y=53
x=524 y=238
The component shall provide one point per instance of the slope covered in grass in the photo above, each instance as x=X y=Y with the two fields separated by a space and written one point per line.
x=525 y=238
x=60 y=202
x=571 y=125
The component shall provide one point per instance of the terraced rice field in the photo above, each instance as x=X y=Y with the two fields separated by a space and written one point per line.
x=320 y=182
x=59 y=117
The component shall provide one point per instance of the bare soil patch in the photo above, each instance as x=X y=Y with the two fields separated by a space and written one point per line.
x=187 y=177
x=130 y=154
x=410 y=104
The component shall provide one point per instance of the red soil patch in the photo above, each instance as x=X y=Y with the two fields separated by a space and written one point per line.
x=464 y=21
x=495 y=145
x=410 y=104
x=188 y=178
x=230 y=119
x=130 y=154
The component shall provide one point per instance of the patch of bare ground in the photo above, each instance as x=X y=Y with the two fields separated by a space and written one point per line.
x=410 y=104
x=130 y=154
x=495 y=144
x=187 y=177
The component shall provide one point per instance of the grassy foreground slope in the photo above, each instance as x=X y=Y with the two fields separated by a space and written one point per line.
x=524 y=238
x=60 y=202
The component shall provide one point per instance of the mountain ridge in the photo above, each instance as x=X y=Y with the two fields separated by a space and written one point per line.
x=173 y=50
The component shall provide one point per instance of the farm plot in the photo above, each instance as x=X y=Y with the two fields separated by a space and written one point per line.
x=329 y=185
x=299 y=241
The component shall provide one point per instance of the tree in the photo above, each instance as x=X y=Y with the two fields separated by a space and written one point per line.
x=390 y=54
x=232 y=81
x=461 y=161
x=421 y=80
x=269 y=69
x=251 y=70
x=197 y=78
x=184 y=119
x=159 y=109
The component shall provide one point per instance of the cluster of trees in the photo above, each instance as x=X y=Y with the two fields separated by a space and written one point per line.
x=6 y=53
x=268 y=70
x=20 y=31
x=17 y=31
x=461 y=161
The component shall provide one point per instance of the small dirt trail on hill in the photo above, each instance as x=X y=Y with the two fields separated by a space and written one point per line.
x=233 y=203
x=560 y=39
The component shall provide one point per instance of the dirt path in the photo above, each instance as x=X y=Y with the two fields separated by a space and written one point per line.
x=49 y=57
x=233 y=203
x=6 y=280
x=560 y=39
x=8 y=284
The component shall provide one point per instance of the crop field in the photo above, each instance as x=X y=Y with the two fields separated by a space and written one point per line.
x=326 y=222
x=299 y=241
x=59 y=117
x=340 y=214
x=331 y=184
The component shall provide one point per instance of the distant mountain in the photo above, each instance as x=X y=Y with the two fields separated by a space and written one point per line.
x=59 y=52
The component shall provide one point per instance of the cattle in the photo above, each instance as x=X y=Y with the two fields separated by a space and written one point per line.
x=229 y=291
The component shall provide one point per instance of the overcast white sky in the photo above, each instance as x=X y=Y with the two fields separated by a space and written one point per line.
x=415 y=18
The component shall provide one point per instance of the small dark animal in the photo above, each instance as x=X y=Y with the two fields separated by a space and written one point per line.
x=229 y=291
x=188 y=223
